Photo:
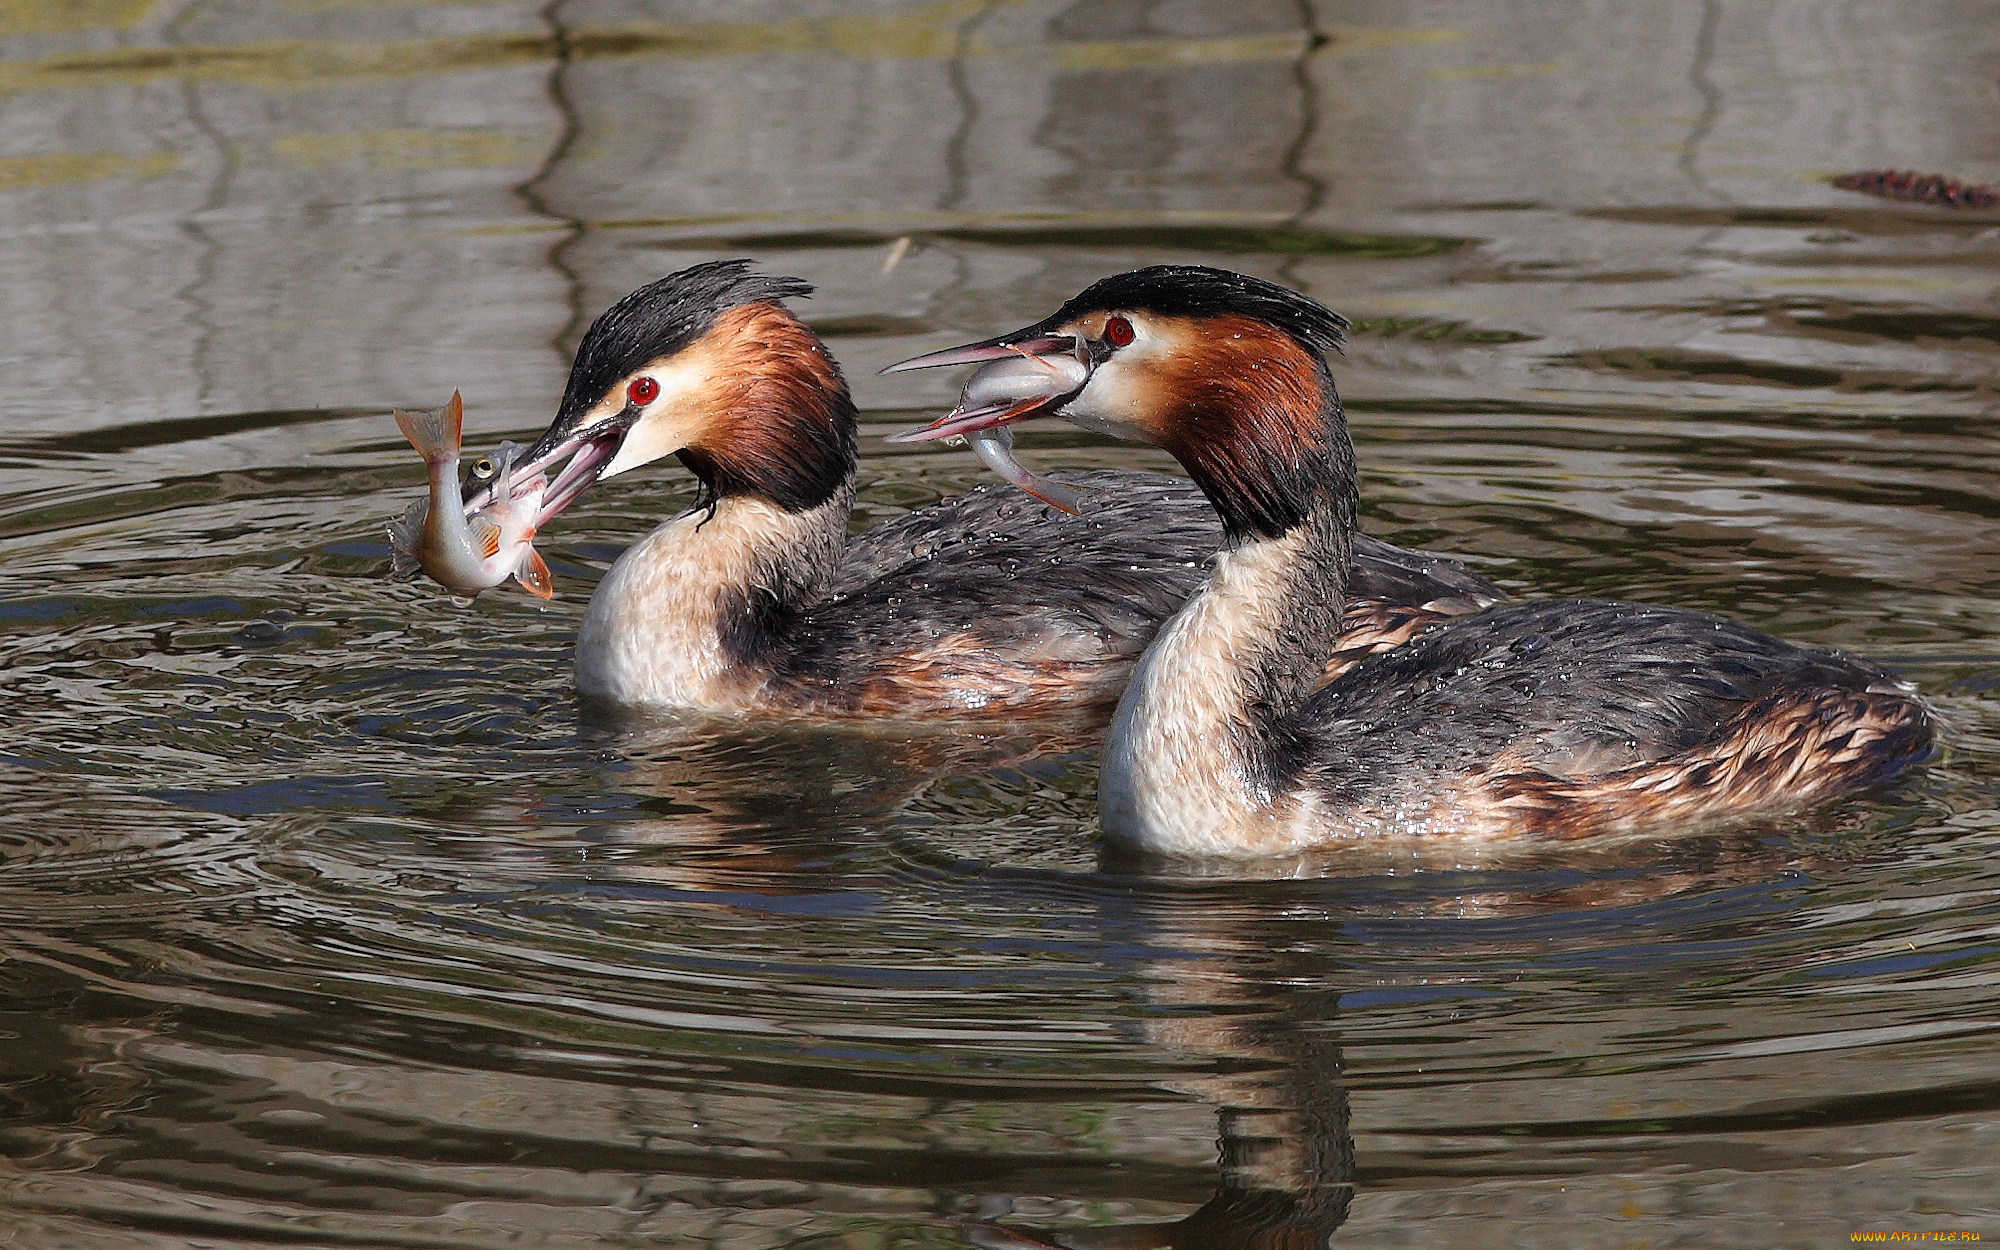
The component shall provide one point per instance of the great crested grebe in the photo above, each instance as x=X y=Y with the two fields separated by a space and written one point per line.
x=758 y=600
x=1554 y=719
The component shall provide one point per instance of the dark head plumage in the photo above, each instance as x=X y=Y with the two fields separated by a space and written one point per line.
x=1202 y=291
x=660 y=319
x=1268 y=447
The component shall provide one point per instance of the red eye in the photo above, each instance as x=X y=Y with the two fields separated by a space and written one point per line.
x=1118 y=332
x=643 y=391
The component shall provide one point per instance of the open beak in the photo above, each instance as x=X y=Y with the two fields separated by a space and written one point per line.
x=1007 y=345
x=588 y=447
x=1019 y=378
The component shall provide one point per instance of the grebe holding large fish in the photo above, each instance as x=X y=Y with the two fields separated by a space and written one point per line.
x=757 y=600
x=468 y=552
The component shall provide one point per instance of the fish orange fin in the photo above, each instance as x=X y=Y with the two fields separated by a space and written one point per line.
x=534 y=575
x=485 y=533
x=419 y=428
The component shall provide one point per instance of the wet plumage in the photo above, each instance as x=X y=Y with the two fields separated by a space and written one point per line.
x=1567 y=717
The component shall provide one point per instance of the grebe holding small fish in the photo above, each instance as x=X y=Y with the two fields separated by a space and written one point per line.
x=1556 y=719
x=1003 y=391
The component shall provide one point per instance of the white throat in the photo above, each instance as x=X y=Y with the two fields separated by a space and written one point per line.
x=1176 y=776
x=653 y=634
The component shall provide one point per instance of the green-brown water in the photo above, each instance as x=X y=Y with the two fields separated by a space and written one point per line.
x=325 y=919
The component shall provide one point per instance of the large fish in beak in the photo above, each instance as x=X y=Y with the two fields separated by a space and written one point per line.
x=468 y=547
x=588 y=444
x=653 y=375
x=1023 y=375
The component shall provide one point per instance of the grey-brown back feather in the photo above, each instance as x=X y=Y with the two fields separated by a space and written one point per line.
x=1567 y=688
x=1026 y=582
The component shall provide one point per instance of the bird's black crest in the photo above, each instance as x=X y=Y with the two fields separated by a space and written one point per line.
x=1274 y=473
x=661 y=318
x=1201 y=291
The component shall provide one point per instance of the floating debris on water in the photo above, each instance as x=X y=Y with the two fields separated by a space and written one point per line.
x=1896 y=184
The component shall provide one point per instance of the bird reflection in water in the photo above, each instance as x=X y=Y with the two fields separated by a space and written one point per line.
x=1286 y=1148
x=1252 y=1000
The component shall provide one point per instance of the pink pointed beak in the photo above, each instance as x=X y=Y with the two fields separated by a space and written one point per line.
x=963 y=420
x=992 y=349
x=1018 y=380
x=588 y=449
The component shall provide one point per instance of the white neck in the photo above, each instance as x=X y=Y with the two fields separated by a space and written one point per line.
x=1178 y=772
x=658 y=631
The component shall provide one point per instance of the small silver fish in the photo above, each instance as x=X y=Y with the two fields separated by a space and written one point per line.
x=1010 y=389
x=467 y=554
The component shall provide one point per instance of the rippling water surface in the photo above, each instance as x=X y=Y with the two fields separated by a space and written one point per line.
x=327 y=919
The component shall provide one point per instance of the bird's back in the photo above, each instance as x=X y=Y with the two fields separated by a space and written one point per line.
x=1567 y=717
x=995 y=599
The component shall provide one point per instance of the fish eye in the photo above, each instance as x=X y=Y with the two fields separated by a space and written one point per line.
x=482 y=468
x=1118 y=332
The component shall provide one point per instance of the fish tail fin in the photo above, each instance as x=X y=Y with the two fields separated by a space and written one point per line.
x=996 y=448
x=1061 y=498
x=534 y=575
x=434 y=432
